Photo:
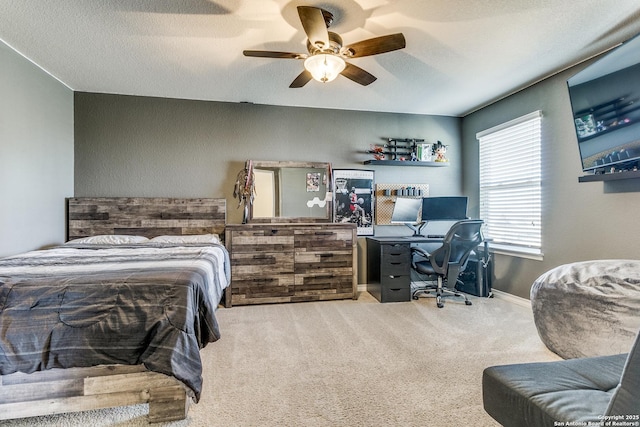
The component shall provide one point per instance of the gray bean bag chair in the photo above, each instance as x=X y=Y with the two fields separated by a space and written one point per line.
x=589 y=308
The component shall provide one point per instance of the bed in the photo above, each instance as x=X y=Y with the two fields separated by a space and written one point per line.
x=118 y=314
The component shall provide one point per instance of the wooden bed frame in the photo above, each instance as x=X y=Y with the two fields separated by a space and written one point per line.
x=57 y=391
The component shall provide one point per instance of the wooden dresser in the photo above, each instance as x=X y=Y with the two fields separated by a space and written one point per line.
x=273 y=263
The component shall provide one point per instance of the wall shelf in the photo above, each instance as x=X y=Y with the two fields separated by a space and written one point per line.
x=404 y=163
x=614 y=176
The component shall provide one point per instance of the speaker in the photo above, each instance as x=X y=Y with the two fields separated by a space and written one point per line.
x=476 y=277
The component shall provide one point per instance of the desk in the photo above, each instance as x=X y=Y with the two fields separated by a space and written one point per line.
x=389 y=266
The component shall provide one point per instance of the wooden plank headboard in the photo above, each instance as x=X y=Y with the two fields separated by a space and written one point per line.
x=144 y=216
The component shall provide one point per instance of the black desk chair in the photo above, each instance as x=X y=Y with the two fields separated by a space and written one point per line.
x=449 y=260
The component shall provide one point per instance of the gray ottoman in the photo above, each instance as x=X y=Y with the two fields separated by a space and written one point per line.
x=595 y=391
x=589 y=308
x=550 y=393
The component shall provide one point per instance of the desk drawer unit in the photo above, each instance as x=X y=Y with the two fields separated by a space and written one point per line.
x=389 y=271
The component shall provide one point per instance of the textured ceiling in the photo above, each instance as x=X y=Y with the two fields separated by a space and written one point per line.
x=460 y=54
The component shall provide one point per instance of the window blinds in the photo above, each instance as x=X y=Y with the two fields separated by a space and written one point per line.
x=510 y=184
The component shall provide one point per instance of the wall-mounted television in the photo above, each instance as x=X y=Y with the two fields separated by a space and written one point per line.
x=605 y=101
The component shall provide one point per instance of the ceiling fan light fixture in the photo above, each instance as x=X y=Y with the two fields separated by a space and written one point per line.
x=327 y=55
x=324 y=67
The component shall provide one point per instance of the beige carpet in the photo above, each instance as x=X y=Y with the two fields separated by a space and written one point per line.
x=348 y=363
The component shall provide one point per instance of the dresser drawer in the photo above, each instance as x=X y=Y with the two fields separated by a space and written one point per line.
x=261 y=263
x=324 y=286
x=263 y=240
x=323 y=239
x=253 y=289
x=309 y=262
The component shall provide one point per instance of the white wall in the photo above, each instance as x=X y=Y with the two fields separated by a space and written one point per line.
x=36 y=155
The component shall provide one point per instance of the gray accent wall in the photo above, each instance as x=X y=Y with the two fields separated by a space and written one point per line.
x=580 y=221
x=149 y=147
x=36 y=155
x=152 y=147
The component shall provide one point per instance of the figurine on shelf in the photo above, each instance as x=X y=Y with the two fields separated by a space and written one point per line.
x=377 y=151
x=439 y=150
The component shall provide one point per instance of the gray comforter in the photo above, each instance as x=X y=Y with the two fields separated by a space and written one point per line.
x=80 y=306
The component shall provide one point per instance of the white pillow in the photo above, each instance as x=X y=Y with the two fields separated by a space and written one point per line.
x=194 y=238
x=110 y=239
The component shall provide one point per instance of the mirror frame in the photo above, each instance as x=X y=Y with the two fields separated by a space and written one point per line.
x=268 y=164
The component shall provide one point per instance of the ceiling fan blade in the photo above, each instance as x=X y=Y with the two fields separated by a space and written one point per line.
x=303 y=78
x=270 y=54
x=358 y=75
x=375 y=46
x=314 y=26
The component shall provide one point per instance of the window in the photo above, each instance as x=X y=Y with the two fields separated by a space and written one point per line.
x=510 y=185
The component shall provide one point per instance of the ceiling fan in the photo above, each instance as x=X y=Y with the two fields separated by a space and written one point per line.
x=327 y=56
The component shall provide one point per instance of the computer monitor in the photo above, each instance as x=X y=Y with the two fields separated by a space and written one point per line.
x=448 y=208
x=405 y=211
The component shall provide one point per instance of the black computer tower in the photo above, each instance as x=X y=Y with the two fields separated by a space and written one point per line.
x=476 y=277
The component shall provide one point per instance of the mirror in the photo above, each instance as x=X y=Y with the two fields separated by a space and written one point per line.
x=291 y=191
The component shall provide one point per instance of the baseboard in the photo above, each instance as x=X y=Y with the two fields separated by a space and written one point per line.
x=511 y=298
x=362 y=287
